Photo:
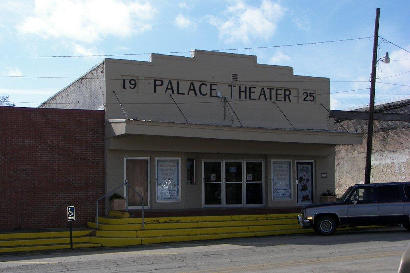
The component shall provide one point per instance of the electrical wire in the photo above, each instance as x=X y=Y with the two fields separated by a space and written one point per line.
x=215 y=50
x=396 y=45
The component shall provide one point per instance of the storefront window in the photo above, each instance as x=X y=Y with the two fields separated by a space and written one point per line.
x=212 y=193
x=233 y=171
x=254 y=193
x=213 y=182
x=233 y=182
x=212 y=171
x=253 y=171
x=253 y=178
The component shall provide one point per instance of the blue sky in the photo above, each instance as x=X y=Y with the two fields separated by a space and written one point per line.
x=32 y=31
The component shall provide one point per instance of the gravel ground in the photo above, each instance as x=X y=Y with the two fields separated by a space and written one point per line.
x=370 y=251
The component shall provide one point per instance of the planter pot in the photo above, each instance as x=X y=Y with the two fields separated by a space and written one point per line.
x=118 y=204
x=327 y=199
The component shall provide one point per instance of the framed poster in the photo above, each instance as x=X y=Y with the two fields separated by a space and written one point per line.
x=168 y=179
x=281 y=179
x=304 y=171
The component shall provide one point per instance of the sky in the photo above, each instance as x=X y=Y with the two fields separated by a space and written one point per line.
x=47 y=44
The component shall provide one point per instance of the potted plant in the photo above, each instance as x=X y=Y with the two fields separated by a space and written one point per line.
x=328 y=197
x=117 y=202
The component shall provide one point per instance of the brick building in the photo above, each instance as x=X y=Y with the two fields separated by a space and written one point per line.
x=49 y=159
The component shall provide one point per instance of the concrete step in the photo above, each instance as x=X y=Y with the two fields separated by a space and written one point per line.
x=193 y=231
x=185 y=219
x=199 y=224
x=49 y=240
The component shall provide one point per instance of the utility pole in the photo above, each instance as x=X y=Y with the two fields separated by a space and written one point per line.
x=371 y=104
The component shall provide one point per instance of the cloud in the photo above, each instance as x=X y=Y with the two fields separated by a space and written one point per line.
x=183 y=5
x=244 y=22
x=183 y=22
x=14 y=72
x=88 y=20
x=279 y=58
x=83 y=51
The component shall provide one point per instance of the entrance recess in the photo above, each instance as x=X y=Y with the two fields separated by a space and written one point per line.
x=137 y=175
x=236 y=183
x=304 y=172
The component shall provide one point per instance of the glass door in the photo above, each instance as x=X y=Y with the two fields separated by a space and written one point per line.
x=233 y=183
x=212 y=176
x=137 y=175
x=253 y=183
x=304 y=172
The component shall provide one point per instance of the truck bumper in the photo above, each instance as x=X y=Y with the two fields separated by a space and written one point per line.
x=304 y=223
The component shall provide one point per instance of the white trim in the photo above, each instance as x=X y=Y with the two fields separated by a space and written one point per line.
x=313 y=180
x=148 y=180
x=291 y=180
x=179 y=179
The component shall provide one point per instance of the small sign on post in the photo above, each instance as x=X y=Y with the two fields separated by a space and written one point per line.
x=71 y=213
x=70 y=219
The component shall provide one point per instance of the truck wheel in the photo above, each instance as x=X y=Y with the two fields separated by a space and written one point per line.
x=326 y=225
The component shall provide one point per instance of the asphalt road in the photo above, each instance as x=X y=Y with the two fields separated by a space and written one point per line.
x=377 y=251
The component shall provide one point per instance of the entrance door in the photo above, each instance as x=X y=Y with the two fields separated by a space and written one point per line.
x=137 y=175
x=212 y=181
x=304 y=173
x=233 y=183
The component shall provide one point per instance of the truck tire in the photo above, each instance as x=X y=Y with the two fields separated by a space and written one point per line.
x=325 y=225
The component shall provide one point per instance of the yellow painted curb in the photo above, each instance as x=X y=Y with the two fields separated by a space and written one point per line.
x=116 y=234
x=116 y=241
x=212 y=230
x=184 y=219
x=47 y=234
x=46 y=247
x=53 y=241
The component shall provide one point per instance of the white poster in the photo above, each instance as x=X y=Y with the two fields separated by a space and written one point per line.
x=168 y=180
x=281 y=180
x=305 y=182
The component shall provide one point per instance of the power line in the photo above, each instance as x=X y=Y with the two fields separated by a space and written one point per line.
x=395 y=75
x=396 y=45
x=215 y=50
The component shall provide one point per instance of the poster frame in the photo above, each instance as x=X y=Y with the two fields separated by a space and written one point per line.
x=178 y=199
x=291 y=179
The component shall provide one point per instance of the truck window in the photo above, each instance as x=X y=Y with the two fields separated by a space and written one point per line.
x=390 y=193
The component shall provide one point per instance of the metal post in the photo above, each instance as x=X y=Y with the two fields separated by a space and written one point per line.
x=71 y=234
x=371 y=104
x=96 y=216
x=142 y=213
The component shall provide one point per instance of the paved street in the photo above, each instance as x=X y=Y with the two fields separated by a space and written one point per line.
x=377 y=251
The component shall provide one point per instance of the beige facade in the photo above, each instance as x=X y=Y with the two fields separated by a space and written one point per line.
x=224 y=110
x=216 y=130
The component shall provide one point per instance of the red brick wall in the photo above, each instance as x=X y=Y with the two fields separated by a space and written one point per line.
x=49 y=159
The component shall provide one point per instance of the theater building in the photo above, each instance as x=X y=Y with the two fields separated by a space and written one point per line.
x=214 y=130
